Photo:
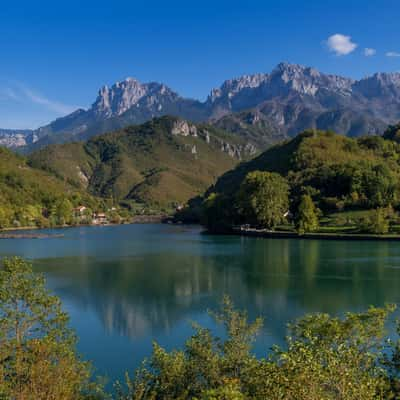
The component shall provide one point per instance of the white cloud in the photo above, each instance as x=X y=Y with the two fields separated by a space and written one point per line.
x=392 y=54
x=368 y=52
x=340 y=44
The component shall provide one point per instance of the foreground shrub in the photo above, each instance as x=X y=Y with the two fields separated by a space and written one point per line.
x=37 y=350
x=325 y=358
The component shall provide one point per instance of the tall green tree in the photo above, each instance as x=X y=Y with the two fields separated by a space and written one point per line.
x=263 y=199
x=217 y=213
x=5 y=216
x=62 y=212
x=37 y=349
x=376 y=222
x=307 y=215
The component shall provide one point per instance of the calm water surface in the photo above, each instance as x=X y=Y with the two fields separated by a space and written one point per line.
x=125 y=286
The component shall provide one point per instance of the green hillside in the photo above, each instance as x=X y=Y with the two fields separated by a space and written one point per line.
x=331 y=172
x=314 y=157
x=161 y=163
x=29 y=196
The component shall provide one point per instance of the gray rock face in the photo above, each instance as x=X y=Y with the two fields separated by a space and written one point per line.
x=120 y=97
x=16 y=138
x=286 y=80
x=293 y=98
x=182 y=127
x=260 y=107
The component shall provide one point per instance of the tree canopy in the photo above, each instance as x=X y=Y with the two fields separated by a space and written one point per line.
x=38 y=360
x=263 y=199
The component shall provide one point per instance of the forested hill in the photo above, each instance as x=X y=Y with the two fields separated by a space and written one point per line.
x=337 y=171
x=161 y=163
x=29 y=196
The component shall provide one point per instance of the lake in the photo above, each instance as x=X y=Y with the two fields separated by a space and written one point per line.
x=126 y=286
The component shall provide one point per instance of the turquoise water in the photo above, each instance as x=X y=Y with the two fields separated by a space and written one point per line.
x=125 y=286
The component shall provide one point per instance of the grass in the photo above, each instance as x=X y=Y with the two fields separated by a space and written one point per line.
x=344 y=222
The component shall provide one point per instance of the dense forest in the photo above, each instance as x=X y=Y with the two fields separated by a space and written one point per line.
x=324 y=357
x=314 y=178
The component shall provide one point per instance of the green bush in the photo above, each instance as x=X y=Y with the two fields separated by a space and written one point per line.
x=38 y=360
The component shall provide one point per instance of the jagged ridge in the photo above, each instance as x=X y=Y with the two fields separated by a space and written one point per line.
x=288 y=100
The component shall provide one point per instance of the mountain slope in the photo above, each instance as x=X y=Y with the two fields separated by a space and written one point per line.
x=161 y=163
x=286 y=101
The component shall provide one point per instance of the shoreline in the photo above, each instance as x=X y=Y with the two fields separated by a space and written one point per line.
x=20 y=232
x=29 y=235
x=314 y=236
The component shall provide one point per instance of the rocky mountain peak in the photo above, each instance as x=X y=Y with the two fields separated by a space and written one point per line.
x=292 y=70
x=379 y=85
x=308 y=80
x=284 y=79
x=120 y=97
x=233 y=86
x=286 y=101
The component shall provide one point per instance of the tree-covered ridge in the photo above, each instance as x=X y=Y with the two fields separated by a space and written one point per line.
x=29 y=196
x=336 y=172
x=161 y=163
x=312 y=150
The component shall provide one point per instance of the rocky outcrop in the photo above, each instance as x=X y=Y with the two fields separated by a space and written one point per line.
x=184 y=128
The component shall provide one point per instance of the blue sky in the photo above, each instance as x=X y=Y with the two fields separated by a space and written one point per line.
x=55 y=55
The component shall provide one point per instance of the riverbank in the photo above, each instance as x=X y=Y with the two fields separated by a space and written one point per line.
x=316 y=236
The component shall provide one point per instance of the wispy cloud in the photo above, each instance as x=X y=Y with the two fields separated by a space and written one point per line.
x=340 y=44
x=392 y=54
x=368 y=52
x=20 y=92
x=9 y=93
x=38 y=98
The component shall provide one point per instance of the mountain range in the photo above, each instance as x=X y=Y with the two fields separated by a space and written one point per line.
x=261 y=108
